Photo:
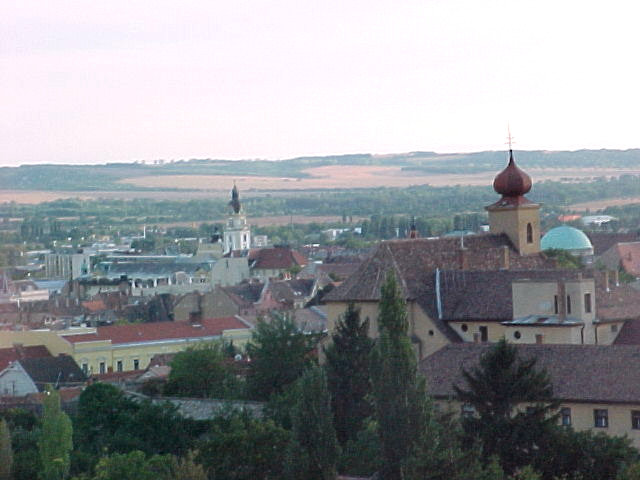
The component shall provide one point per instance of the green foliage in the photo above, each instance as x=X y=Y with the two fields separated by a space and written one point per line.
x=124 y=466
x=55 y=442
x=279 y=354
x=240 y=447
x=399 y=394
x=349 y=351
x=109 y=422
x=497 y=386
x=564 y=258
x=23 y=426
x=583 y=455
x=362 y=456
x=6 y=451
x=202 y=371
x=313 y=451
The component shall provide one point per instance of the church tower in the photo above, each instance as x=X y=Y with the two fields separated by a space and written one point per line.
x=237 y=235
x=514 y=214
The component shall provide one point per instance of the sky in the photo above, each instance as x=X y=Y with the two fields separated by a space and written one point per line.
x=129 y=80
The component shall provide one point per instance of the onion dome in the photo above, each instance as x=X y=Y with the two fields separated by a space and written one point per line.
x=512 y=182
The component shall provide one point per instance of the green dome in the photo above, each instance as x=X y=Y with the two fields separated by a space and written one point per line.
x=565 y=238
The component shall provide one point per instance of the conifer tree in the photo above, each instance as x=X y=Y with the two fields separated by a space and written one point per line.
x=55 y=443
x=314 y=449
x=6 y=452
x=348 y=378
x=399 y=394
x=500 y=384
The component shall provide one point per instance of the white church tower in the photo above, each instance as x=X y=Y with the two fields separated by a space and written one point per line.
x=237 y=235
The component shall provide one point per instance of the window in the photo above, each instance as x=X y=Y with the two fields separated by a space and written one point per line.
x=464 y=327
x=103 y=367
x=565 y=417
x=431 y=333
x=568 y=304
x=119 y=365
x=517 y=335
x=614 y=328
x=529 y=233
x=556 y=310
x=587 y=303
x=601 y=418
x=136 y=364
x=467 y=411
x=635 y=419
x=484 y=334
x=85 y=368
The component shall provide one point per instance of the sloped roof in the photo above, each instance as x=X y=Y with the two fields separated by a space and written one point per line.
x=279 y=258
x=248 y=292
x=147 y=332
x=60 y=370
x=583 y=373
x=413 y=262
x=603 y=241
x=8 y=355
x=290 y=291
x=153 y=268
x=629 y=254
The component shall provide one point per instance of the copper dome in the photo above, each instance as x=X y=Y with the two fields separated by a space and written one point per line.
x=512 y=182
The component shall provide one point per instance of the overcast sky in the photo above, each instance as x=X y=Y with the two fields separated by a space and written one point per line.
x=104 y=81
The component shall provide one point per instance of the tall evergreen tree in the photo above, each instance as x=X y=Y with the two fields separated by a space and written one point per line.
x=313 y=452
x=6 y=452
x=55 y=443
x=348 y=377
x=399 y=394
x=279 y=354
x=497 y=386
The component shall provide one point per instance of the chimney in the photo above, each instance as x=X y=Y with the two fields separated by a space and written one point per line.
x=616 y=277
x=539 y=339
x=505 y=260
x=606 y=281
x=562 y=300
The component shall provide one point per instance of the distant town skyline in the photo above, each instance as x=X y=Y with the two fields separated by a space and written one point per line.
x=121 y=81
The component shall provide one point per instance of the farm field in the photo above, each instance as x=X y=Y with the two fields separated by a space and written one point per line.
x=600 y=204
x=358 y=176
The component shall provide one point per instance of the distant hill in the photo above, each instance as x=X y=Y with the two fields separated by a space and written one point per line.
x=107 y=177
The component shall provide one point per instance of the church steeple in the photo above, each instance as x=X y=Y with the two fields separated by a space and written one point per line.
x=514 y=214
x=237 y=234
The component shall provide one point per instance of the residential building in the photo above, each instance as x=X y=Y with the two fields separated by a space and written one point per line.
x=32 y=375
x=275 y=262
x=598 y=386
x=121 y=348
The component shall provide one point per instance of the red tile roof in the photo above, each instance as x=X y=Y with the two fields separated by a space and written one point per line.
x=277 y=258
x=629 y=254
x=148 y=332
x=8 y=355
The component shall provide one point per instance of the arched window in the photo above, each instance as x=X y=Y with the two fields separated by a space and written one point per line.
x=529 y=233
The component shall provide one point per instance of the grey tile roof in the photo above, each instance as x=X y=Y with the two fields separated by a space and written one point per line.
x=582 y=373
x=60 y=370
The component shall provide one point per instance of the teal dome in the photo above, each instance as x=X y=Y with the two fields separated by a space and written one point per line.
x=566 y=238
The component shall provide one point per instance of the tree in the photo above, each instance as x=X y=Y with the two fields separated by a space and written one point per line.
x=498 y=388
x=279 y=353
x=313 y=452
x=201 y=371
x=6 y=452
x=399 y=394
x=348 y=377
x=55 y=443
x=240 y=447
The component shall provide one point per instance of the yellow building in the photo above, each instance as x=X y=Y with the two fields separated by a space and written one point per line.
x=598 y=386
x=122 y=348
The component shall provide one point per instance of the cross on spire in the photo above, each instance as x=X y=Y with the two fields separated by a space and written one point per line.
x=509 y=137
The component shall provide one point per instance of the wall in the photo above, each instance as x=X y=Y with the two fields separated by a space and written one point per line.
x=15 y=382
x=49 y=339
x=421 y=327
x=582 y=418
x=230 y=271
x=513 y=221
